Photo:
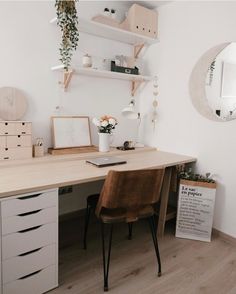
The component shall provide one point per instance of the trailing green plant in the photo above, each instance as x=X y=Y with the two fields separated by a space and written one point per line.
x=189 y=175
x=67 y=20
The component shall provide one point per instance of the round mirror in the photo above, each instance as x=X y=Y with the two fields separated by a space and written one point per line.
x=220 y=84
x=213 y=83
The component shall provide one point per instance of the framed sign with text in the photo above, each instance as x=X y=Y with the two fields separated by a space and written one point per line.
x=195 y=212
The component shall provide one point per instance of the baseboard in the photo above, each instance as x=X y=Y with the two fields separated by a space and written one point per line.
x=224 y=236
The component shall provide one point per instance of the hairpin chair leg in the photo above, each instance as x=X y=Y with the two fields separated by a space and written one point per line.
x=88 y=210
x=130 y=226
x=151 y=221
x=106 y=263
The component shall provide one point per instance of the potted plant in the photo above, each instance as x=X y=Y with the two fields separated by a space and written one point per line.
x=196 y=201
x=67 y=20
x=105 y=125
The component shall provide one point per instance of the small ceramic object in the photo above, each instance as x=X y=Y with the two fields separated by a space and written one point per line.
x=106 y=11
x=87 y=61
x=113 y=13
x=106 y=64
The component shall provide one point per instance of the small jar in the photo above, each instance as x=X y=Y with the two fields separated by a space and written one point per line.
x=87 y=61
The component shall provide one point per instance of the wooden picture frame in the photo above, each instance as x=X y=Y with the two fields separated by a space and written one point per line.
x=71 y=132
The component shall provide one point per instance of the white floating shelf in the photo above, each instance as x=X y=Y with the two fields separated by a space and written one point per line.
x=112 y=33
x=111 y=75
x=136 y=80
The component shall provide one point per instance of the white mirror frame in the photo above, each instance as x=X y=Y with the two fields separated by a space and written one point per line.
x=198 y=79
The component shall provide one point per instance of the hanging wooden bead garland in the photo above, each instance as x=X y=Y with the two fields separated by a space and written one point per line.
x=155 y=103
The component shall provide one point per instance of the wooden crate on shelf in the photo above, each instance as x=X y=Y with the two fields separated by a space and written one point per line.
x=141 y=20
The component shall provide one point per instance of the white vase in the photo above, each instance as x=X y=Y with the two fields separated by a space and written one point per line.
x=104 y=142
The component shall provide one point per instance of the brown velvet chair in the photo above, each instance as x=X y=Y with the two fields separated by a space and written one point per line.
x=128 y=196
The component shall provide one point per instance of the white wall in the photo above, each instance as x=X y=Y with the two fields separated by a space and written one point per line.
x=187 y=30
x=29 y=47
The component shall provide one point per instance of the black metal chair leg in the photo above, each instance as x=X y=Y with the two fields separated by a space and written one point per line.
x=86 y=225
x=130 y=225
x=155 y=242
x=106 y=263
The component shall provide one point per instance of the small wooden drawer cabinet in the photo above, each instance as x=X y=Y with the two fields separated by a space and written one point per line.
x=29 y=243
x=15 y=140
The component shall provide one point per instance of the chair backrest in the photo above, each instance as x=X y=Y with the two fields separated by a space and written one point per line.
x=130 y=190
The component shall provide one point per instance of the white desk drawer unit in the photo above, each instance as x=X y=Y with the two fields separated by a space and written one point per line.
x=30 y=262
x=28 y=203
x=15 y=140
x=29 y=243
x=28 y=220
x=36 y=283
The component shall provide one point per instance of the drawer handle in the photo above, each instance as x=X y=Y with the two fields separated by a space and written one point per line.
x=23 y=133
x=28 y=213
x=6 y=133
x=27 y=276
x=6 y=158
x=30 y=196
x=18 y=145
x=30 y=229
x=30 y=252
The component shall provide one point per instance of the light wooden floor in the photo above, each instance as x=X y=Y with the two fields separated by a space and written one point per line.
x=188 y=266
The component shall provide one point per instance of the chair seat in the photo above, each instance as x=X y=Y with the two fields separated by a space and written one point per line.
x=92 y=200
x=120 y=215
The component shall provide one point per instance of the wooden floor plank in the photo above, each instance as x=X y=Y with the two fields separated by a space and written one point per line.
x=189 y=267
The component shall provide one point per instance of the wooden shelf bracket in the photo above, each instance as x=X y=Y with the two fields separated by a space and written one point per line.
x=67 y=75
x=137 y=49
x=135 y=86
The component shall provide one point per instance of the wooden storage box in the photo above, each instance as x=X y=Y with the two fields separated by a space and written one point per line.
x=15 y=140
x=38 y=151
x=141 y=20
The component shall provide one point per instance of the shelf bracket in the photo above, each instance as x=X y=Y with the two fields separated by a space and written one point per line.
x=137 y=49
x=67 y=75
x=135 y=86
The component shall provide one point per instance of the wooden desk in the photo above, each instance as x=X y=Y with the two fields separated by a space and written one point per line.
x=24 y=176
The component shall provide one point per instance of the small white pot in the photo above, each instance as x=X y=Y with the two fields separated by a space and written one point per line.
x=104 y=142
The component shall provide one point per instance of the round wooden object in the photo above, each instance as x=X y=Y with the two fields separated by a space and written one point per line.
x=13 y=103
